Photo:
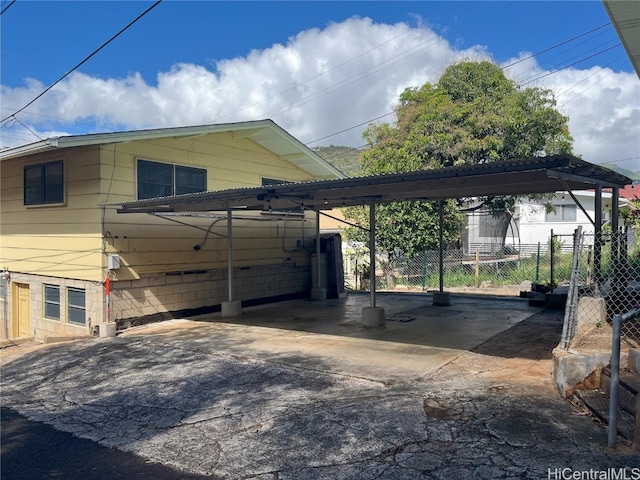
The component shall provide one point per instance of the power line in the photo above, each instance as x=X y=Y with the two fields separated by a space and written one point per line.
x=556 y=45
x=530 y=81
x=83 y=61
x=7 y=7
x=572 y=64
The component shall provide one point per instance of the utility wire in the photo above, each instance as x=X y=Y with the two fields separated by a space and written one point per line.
x=571 y=64
x=530 y=81
x=7 y=7
x=556 y=45
x=83 y=61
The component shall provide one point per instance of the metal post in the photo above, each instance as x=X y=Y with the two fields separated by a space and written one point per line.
x=551 y=267
x=441 y=242
x=230 y=252
x=613 y=392
x=568 y=325
x=617 y=322
x=372 y=252
x=107 y=288
x=597 y=244
x=318 y=272
x=538 y=264
x=477 y=282
x=424 y=271
x=616 y=256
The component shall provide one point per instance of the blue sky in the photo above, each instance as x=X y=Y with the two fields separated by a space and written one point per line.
x=315 y=68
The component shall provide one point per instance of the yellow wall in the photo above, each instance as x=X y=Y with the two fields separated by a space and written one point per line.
x=65 y=241
x=147 y=244
x=56 y=241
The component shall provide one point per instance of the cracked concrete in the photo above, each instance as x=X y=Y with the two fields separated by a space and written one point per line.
x=214 y=399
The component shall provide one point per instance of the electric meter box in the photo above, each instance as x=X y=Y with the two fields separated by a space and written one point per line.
x=113 y=261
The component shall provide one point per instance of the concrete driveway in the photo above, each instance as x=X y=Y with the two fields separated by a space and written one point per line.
x=299 y=390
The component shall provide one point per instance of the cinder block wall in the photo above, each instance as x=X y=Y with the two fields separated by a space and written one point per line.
x=181 y=294
x=41 y=327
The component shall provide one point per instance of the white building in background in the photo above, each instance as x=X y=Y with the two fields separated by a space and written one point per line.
x=530 y=223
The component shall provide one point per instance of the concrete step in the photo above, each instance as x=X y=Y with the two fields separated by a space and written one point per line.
x=597 y=401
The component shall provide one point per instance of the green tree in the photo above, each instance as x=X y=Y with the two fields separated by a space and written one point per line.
x=472 y=115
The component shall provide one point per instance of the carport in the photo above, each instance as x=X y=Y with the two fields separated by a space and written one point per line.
x=535 y=175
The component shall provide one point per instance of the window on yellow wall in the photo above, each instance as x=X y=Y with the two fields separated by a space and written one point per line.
x=157 y=179
x=273 y=181
x=44 y=183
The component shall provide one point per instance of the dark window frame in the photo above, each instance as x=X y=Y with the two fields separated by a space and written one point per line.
x=168 y=179
x=43 y=183
x=266 y=181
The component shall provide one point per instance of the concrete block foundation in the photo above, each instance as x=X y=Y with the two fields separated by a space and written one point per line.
x=373 y=316
x=441 y=299
x=231 y=309
x=577 y=370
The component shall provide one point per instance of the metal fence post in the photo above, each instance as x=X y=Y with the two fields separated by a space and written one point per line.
x=613 y=392
x=572 y=296
x=551 y=266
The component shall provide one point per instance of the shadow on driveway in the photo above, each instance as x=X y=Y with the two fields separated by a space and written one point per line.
x=33 y=450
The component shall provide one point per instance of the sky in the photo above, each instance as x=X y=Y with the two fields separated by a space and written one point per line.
x=321 y=70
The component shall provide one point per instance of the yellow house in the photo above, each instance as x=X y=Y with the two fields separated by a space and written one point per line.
x=61 y=238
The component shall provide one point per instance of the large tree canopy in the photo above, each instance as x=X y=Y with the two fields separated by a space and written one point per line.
x=472 y=115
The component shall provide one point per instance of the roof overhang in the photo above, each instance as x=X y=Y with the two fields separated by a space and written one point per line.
x=265 y=133
x=625 y=16
x=513 y=177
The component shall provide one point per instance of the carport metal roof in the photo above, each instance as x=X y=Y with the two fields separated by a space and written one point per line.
x=512 y=177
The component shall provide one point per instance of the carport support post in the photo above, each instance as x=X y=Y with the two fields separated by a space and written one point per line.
x=616 y=252
x=441 y=298
x=597 y=244
x=372 y=316
x=230 y=308
x=318 y=292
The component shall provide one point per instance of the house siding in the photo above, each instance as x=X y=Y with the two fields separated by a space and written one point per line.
x=161 y=274
x=60 y=240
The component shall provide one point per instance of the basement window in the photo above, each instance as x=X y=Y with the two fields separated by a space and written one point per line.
x=44 y=183
x=76 y=312
x=157 y=179
x=52 y=302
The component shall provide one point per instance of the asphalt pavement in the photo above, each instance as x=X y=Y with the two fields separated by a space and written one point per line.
x=209 y=399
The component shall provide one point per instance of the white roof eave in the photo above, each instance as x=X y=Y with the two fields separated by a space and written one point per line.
x=266 y=133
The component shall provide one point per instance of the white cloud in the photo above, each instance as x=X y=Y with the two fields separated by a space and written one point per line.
x=321 y=82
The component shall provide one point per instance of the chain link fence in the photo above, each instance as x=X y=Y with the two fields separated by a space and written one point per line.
x=507 y=271
x=605 y=282
x=600 y=276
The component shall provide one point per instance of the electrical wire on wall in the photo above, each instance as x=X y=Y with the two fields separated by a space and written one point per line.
x=278 y=217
